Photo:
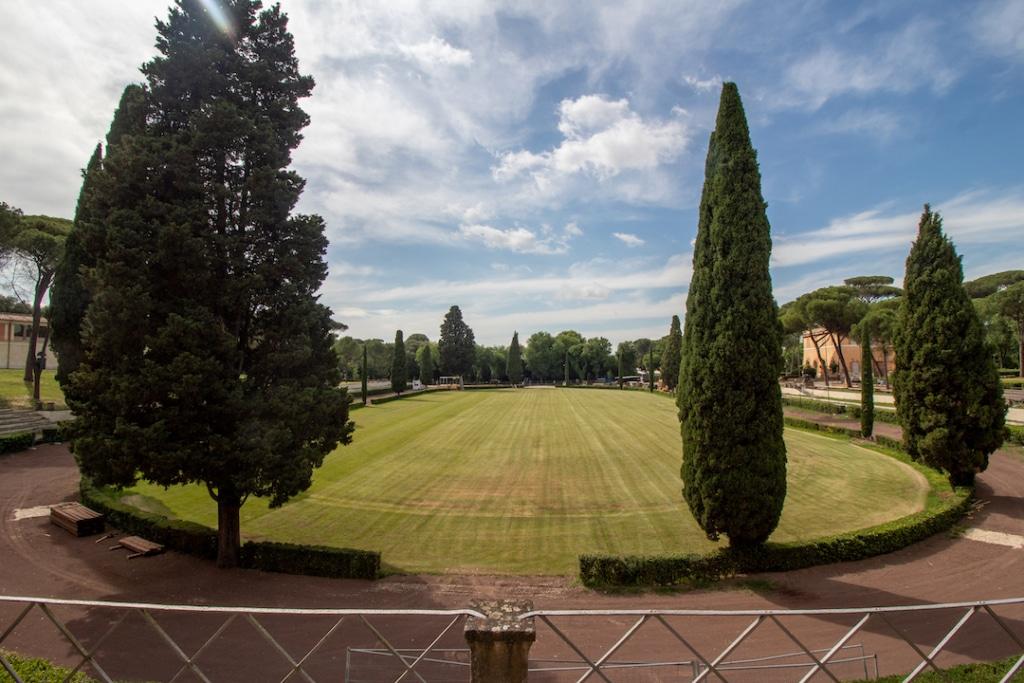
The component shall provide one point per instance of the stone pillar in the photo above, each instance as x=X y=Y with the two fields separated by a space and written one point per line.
x=499 y=645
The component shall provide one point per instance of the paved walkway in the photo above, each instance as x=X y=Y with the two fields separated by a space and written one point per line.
x=38 y=559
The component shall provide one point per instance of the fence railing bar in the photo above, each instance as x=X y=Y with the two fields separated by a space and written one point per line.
x=99 y=643
x=835 y=648
x=14 y=624
x=209 y=641
x=156 y=607
x=316 y=647
x=428 y=649
x=74 y=643
x=277 y=646
x=1003 y=626
x=691 y=648
x=575 y=649
x=785 y=655
x=803 y=647
x=938 y=648
x=389 y=646
x=619 y=643
x=1013 y=670
x=768 y=612
x=725 y=653
x=173 y=645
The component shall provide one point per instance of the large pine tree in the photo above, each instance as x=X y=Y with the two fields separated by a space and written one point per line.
x=514 y=361
x=730 y=404
x=949 y=399
x=399 y=366
x=208 y=358
x=673 y=351
x=456 y=346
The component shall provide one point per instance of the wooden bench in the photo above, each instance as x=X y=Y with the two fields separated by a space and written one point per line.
x=77 y=519
x=138 y=547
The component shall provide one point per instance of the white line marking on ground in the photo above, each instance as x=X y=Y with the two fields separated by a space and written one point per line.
x=29 y=513
x=995 y=537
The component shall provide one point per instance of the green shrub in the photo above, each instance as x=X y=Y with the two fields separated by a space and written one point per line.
x=12 y=443
x=201 y=541
x=1015 y=434
x=41 y=671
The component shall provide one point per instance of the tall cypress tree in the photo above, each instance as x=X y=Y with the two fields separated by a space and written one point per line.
x=425 y=357
x=456 y=346
x=399 y=378
x=68 y=296
x=867 y=387
x=209 y=359
x=730 y=404
x=363 y=378
x=650 y=368
x=514 y=362
x=670 y=359
x=949 y=399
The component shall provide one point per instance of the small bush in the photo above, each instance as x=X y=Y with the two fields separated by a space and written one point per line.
x=1015 y=435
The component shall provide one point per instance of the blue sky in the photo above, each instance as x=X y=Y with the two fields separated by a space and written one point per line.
x=540 y=164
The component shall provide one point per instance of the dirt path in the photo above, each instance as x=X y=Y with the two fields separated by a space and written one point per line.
x=37 y=559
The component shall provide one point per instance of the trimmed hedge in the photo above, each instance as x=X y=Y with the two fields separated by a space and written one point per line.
x=602 y=571
x=1015 y=435
x=854 y=411
x=477 y=387
x=201 y=541
x=12 y=443
x=979 y=672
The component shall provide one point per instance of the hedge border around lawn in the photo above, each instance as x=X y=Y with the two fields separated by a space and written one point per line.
x=940 y=514
x=21 y=441
x=201 y=541
x=830 y=408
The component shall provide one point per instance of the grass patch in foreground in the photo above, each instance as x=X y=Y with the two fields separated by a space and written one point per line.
x=981 y=672
x=524 y=481
x=39 y=671
x=16 y=393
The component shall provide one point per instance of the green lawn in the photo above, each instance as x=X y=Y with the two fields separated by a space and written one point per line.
x=16 y=393
x=524 y=481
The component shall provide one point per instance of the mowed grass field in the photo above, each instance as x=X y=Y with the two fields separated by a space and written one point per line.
x=523 y=481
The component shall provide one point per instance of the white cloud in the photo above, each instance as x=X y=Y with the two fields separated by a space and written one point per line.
x=602 y=138
x=877 y=123
x=977 y=217
x=438 y=51
x=899 y=62
x=999 y=27
x=628 y=238
x=520 y=239
x=703 y=85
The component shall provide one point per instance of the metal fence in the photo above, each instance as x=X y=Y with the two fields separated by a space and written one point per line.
x=121 y=640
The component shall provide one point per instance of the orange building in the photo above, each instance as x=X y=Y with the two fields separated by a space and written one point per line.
x=820 y=351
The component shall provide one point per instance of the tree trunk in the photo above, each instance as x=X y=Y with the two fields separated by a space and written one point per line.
x=229 y=528
x=42 y=282
x=836 y=339
x=821 y=358
x=1020 y=348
